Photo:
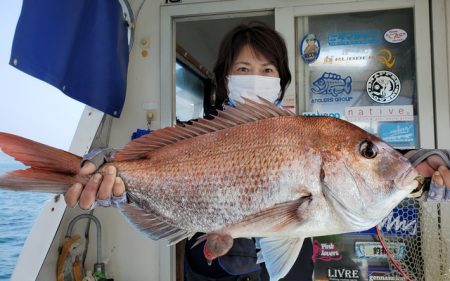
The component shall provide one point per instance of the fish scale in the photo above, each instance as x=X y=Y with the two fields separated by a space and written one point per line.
x=210 y=179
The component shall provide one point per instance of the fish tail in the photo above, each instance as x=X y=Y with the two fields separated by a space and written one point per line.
x=348 y=84
x=49 y=169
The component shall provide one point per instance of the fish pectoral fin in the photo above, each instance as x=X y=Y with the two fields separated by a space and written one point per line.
x=278 y=218
x=279 y=254
x=151 y=224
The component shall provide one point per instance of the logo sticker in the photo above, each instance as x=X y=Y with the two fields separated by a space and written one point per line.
x=395 y=35
x=385 y=57
x=317 y=113
x=332 y=84
x=401 y=222
x=341 y=274
x=379 y=113
x=397 y=132
x=354 y=38
x=310 y=48
x=383 y=276
x=383 y=86
x=325 y=252
x=376 y=250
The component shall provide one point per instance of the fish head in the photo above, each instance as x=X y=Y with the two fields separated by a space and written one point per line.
x=319 y=86
x=362 y=177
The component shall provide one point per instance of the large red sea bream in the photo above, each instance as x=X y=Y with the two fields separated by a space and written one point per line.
x=254 y=171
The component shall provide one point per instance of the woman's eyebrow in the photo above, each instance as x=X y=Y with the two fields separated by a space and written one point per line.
x=242 y=62
x=269 y=64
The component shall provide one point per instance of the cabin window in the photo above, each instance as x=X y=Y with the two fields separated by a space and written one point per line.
x=190 y=89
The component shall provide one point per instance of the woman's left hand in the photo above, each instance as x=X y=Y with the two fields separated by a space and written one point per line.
x=435 y=167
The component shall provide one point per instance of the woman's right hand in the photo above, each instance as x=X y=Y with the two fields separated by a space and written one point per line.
x=103 y=188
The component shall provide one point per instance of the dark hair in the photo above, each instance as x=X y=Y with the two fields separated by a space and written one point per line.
x=261 y=38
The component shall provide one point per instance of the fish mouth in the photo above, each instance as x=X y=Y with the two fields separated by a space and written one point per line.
x=409 y=180
x=315 y=90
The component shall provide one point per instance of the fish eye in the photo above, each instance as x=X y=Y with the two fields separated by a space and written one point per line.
x=367 y=149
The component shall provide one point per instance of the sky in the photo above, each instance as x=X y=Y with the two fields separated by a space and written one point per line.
x=29 y=107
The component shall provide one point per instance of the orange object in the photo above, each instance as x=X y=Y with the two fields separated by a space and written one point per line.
x=65 y=254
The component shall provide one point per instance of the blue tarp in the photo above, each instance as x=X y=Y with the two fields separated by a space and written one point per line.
x=78 y=46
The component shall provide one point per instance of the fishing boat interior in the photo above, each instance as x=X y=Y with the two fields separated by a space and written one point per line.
x=162 y=75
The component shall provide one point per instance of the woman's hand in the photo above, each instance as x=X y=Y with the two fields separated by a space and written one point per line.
x=435 y=167
x=104 y=190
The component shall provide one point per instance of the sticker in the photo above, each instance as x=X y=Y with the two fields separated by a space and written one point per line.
x=317 y=113
x=341 y=274
x=383 y=86
x=325 y=251
x=395 y=35
x=332 y=84
x=401 y=222
x=383 y=276
x=310 y=48
x=289 y=103
x=379 y=113
x=355 y=37
x=376 y=250
x=397 y=132
x=386 y=58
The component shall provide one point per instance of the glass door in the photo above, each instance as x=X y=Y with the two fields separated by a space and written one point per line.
x=361 y=67
x=368 y=63
x=364 y=63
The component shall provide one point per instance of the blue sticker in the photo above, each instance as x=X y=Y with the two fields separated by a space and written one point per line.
x=355 y=37
x=398 y=134
x=401 y=222
x=332 y=84
x=309 y=48
x=327 y=114
x=374 y=250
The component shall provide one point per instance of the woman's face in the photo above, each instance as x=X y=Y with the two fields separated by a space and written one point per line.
x=248 y=62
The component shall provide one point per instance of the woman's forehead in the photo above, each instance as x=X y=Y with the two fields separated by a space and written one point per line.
x=248 y=54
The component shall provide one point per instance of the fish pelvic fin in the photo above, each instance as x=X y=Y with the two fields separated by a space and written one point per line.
x=152 y=225
x=279 y=254
x=50 y=169
x=246 y=112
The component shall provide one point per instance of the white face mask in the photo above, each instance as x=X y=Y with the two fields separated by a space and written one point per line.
x=252 y=86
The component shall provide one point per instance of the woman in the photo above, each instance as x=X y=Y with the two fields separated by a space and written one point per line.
x=252 y=61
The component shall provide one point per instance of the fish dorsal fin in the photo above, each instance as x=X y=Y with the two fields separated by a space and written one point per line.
x=247 y=112
x=151 y=225
x=279 y=254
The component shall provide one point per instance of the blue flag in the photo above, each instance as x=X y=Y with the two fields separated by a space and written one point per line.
x=78 y=46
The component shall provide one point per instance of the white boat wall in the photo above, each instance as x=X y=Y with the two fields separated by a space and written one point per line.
x=196 y=25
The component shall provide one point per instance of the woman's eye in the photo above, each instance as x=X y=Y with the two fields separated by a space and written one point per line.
x=268 y=70
x=242 y=69
x=368 y=149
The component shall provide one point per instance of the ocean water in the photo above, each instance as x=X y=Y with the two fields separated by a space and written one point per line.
x=18 y=211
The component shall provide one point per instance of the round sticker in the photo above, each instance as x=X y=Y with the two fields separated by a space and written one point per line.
x=310 y=48
x=395 y=35
x=383 y=86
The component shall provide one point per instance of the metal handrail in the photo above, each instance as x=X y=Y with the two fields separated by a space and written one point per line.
x=99 y=231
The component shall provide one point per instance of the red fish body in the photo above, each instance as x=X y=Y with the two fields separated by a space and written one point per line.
x=256 y=171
